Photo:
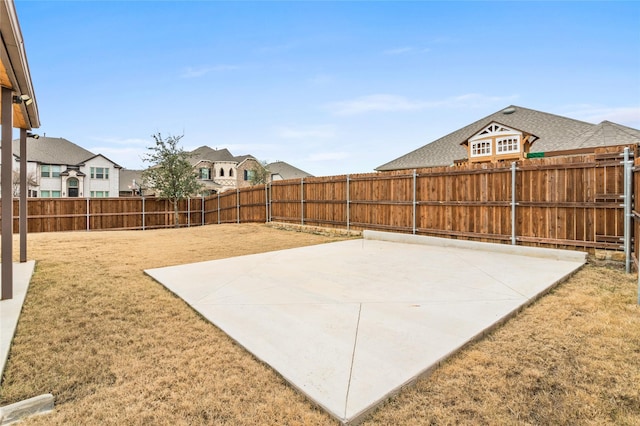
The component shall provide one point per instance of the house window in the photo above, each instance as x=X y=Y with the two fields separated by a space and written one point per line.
x=50 y=194
x=481 y=148
x=99 y=173
x=230 y=172
x=221 y=172
x=99 y=194
x=47 y=170
x=249 y=174
x=205 y=173
x=507 y=144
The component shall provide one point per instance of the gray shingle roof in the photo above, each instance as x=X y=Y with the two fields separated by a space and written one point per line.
x=241 y=158
x=286 y=171
x=554 y=132
x=206 y=153
x=53 y=151
x=607 y=134
x=127 y=177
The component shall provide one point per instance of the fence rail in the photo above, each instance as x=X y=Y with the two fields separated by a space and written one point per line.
x=573 y=202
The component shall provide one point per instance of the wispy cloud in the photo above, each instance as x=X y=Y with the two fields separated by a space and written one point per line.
x=191 y=72
x=328 y=156
x=251 y=148
x=321 y=79
x=474 y=100
x=128 y=157
x=398 y=51
x=392 y=103
x=629 y=116
x=122 y=141
x=308 y=132
x=405 y=50
x=371 y=103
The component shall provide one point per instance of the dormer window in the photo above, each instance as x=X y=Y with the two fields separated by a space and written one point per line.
x=497 y=142
x=508 y=144
x=480 y=148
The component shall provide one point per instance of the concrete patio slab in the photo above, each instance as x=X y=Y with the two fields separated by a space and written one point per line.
x=10 y=309
x=350 y=323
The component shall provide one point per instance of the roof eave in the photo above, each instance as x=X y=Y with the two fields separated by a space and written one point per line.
x=13 y=54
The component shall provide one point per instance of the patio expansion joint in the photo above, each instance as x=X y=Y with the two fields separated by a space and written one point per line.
x=458 y=255
x=353 y=356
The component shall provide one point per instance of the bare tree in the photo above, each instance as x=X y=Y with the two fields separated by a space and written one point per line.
x=31 y=182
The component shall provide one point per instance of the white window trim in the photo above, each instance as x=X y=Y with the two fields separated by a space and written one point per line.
x=93 y=172
x=472 y=144
x=508 y=138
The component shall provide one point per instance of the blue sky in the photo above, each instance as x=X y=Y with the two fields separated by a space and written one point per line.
x=329 y=87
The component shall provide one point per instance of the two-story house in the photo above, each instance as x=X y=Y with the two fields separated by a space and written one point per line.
x=217 y=170
x=58 y=168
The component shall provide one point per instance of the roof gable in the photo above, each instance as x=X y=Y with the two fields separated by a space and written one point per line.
x=206 y=153
x=494 y=129
x=102 y=156
x=242 y=158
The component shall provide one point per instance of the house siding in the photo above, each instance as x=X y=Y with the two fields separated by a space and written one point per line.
x=112 y=184
x=248 y=164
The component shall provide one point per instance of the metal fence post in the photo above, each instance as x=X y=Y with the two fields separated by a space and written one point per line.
x=513 y=203
x=88 y=215
x=348 y=203
x=237 y=205
x=302 y=198
x=202 y=211
x=143 y=213
x=627 y=210
x=218 y=208
x=189 y=212
x=413 y=225
x=266 y=202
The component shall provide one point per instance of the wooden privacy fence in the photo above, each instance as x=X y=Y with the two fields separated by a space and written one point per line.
x=561 y=202
x=87 y=214
x=575 y=202
x=131 y=213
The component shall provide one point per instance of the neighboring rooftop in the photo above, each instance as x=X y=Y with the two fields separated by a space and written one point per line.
x=553 y=132
x=128 y=177
x=286 y=171
x=46 y=150
x=607 y=134
x=210 y=154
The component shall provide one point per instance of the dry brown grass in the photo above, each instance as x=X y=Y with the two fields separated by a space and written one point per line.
x=115 y=347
